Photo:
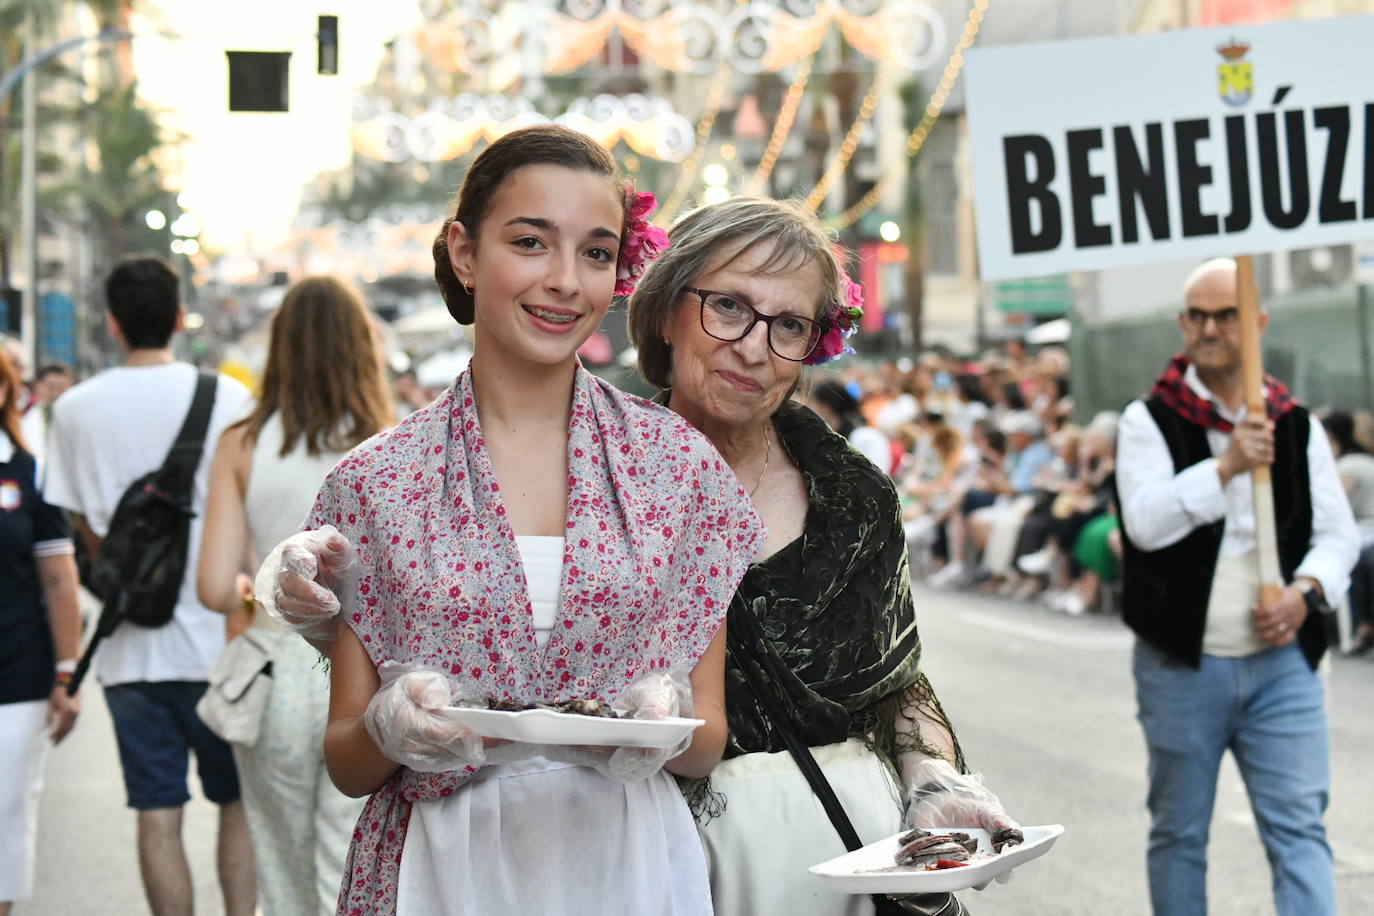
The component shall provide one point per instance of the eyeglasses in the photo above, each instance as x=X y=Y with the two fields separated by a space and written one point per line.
x=1226 y=318
x=727 y=317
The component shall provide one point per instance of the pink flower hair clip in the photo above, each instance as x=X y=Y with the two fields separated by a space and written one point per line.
x=642 y=243
x=841 y=322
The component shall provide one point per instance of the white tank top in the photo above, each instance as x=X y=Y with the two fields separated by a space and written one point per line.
x=542 y=558
x=281 y=490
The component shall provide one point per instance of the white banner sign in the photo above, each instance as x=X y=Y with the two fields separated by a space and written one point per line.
x=1192 y=144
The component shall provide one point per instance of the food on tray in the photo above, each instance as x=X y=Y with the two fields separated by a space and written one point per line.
x=921 y=848
x=577 y=707
x=924 y=849
x=1007 y=836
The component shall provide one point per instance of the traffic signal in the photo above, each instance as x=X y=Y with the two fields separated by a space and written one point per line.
x=327 y=35
x=258 y=80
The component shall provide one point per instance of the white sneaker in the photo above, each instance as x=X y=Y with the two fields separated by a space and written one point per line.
x=1035 y=564
x=1053 y=598
x=947 y=576
x=1073 y=604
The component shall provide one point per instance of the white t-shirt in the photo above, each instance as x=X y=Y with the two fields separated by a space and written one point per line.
x=106 y=433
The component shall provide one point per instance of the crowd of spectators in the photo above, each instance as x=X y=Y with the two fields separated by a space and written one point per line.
x=1003 y=492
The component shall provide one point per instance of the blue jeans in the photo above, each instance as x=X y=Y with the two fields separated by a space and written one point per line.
x=1269 y=709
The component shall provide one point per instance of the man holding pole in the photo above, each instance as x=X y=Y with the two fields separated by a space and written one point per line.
x=1230 y=635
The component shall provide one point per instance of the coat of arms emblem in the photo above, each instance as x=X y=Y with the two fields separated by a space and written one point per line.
x=1235 y=77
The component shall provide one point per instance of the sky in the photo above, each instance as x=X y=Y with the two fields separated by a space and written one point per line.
x=242 y=173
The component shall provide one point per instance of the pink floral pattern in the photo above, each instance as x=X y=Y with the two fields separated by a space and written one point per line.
x=659 y=533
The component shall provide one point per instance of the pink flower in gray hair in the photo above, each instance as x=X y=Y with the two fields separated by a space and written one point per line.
x=840 y=321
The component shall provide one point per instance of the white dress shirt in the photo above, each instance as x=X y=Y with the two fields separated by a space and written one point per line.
x=1160 y=507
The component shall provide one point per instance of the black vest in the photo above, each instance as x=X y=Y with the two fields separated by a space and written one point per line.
x=1165 y=592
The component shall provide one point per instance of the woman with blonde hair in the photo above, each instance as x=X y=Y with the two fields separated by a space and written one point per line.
x=323 y=391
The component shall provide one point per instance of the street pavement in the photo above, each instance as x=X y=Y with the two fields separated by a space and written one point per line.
x=1044 y=707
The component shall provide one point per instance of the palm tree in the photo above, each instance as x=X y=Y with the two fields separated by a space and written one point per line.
x=20 y=21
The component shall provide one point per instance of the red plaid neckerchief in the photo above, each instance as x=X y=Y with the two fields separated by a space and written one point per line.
x=1173 y=389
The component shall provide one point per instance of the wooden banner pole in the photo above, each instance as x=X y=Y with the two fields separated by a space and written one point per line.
x=1252 y=368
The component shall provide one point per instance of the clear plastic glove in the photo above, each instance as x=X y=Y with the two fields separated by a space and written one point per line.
x=941 y=796
x=411 y=723
x=300 y=582
x=656 y=695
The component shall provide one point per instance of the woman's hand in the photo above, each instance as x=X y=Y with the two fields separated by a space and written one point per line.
x=411 y=723
x=62 y=712
x=301 y=580
x=941 y=796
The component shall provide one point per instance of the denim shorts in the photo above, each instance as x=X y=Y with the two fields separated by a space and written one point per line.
x=156 y=726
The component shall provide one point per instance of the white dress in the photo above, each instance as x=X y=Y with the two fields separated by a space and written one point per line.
x=514 y=839
x=767 y=796
x=300 y=823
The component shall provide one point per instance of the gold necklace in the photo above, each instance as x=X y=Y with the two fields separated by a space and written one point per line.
x=768 y=443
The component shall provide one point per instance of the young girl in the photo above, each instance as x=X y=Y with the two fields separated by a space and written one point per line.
x=533 y=535
x=323 y=391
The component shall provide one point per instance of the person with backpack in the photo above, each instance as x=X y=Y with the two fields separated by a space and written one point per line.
x=153 y=662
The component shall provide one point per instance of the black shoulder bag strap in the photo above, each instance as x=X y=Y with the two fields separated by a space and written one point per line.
x=185 y=453
x=782 y=724
x=795 y=745
x=184 y=457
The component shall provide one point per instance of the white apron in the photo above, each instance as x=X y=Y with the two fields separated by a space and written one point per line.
x=519 y=838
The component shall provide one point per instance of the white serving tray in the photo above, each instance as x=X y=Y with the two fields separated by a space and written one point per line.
x=544 y=726
x=871 y=870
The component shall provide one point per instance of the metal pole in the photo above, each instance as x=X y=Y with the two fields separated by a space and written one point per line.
x=28 y=211
x=1362 y=323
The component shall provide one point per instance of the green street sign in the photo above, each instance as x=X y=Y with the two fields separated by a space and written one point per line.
x=1050 y=295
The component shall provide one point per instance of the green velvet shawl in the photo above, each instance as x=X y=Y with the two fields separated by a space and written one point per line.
x=835 y=609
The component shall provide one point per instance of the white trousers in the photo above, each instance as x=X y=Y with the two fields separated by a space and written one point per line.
x=23 y=749
x=1004 y=527
x=300 y=824
x=774 y=828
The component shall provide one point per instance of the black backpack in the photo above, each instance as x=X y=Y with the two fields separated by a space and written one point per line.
x=142 y=561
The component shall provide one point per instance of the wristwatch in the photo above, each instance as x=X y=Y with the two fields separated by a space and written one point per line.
x=1311 y=595
x=1318 y=607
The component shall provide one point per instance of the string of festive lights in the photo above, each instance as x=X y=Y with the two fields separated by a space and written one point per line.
x=922 y=130
x=787 y=115
x=714 y=97
x=850 y=145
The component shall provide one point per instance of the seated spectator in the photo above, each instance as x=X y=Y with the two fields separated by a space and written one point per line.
x=1000 y=497
x=838 y=408
x=928 y=489
x=1078 y=512
x=996 y=527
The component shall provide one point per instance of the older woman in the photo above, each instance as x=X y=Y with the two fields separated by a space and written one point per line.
x=823 y=652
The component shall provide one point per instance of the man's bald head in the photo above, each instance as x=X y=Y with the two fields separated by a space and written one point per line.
x=1217 y=276
x=1210 y=318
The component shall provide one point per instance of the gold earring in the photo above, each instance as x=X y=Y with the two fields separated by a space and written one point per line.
x=466 y=288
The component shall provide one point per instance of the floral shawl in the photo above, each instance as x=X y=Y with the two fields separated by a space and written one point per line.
x=659 y=533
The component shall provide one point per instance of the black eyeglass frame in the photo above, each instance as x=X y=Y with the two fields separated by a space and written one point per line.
x=818 y=329
x=1225 y=318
